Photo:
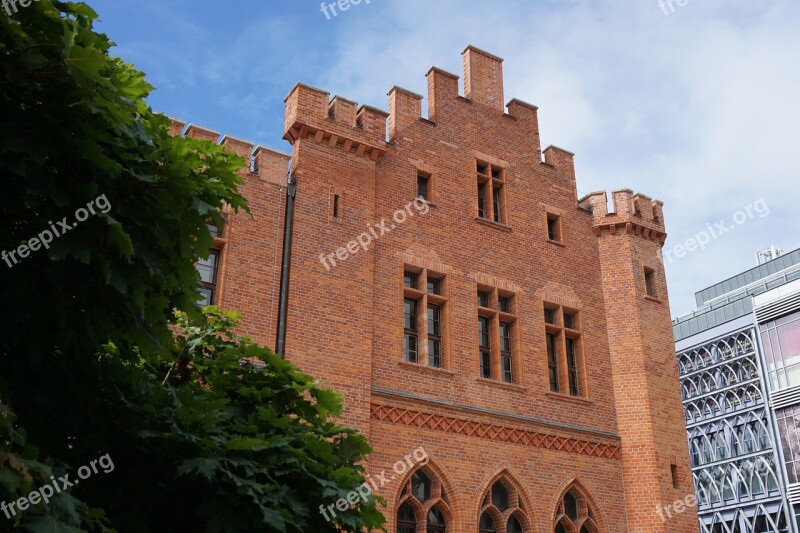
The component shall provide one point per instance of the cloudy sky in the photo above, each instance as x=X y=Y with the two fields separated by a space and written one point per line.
x=695 y=104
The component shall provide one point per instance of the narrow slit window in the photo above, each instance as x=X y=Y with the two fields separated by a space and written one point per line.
x=505 y=352
x=410 y=351
x=434 y=336
x=337 y=201
x=484 y=347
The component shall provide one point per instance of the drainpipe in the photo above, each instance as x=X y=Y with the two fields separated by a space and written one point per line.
x=286 y=261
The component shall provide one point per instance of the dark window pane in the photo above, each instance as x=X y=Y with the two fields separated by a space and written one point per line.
x=552 y=361
x=406 y=520
x=504 y=304
x=482 y=200
x=572 y=368
x=513 y=525
x=436 y=523
x=552 y=232
x=549 y=316
x=422 y=186
x=500 y=496
x=410 y=341
x=483 y=299
x=496 y=196
x=570 y=506
x=410 y=279
x=486 y=524
x=569 y=320
x=421 y=486
x=434 y=285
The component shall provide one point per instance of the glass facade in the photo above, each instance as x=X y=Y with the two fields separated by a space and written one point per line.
x=781 y=341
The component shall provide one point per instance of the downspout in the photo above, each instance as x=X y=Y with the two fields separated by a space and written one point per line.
x=286 y=261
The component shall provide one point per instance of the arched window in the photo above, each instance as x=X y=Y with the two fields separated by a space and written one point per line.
x=486 y=524
x=574 y=511
x=406 y=520
x=436 y=523
x=513 y=525
x=424 y=507
x=502 y=510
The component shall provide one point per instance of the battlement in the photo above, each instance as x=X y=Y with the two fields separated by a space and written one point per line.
x=268 y=164
x=633 y=213
x=310 y=111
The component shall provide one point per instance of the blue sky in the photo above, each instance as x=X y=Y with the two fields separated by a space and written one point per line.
x=696 y=107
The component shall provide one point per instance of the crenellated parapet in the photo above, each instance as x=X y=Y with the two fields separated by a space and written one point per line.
x=633 y=213
x=338 y=122
x=265 y=163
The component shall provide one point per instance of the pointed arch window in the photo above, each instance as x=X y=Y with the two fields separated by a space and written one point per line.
x=502 y=510
x=574 y=514
x=424 y=507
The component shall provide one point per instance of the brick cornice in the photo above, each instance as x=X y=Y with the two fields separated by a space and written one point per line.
x=493 y=432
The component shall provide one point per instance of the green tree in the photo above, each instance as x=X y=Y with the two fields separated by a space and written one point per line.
x=88 y=332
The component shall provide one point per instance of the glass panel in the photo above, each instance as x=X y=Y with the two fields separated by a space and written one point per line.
x=500 y=496
x=486 y=524
x=421 y=486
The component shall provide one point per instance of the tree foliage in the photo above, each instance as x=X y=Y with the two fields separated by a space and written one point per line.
x=94 y=359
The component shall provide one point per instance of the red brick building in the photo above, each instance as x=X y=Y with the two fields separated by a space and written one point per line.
x=519 y=335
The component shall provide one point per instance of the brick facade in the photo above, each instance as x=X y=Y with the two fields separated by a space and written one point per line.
x=613 y=444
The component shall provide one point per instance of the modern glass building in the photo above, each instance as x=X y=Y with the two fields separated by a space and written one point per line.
x=739 y=363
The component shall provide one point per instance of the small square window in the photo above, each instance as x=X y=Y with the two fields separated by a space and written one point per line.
x=504 y=304
x=481 y=167
x=410 y=279
x=434 y=285
x=549 y=315
x=497 y=173
x=483 y=299
x=570 y=321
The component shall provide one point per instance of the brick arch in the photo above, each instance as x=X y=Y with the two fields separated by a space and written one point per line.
x=575 y=485
x=452 y=513
x=510 y=480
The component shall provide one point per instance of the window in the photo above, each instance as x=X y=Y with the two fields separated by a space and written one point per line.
x=564 y=349
x=491 y=179
x=495 y=321
x=434 y=336
x=572 y=511
x=434 y=286
x=482 y=200
x=572 y=367
x=337 y=206
x=673 y=470
x=410 y=330
x=424 y=317
x=505 y=352
x=254 y=164
x=208 y=269
x=483 y=299
x=216 y=230
x=423 y=487
x=406 y=520
x=484 y=347
x=486 y=524
x=436 y=523
x=554 y=227
x=423 y=185
x=502 y=501
x=650 y=282
x=781 y=338
x=497 y=207
x=552 y=361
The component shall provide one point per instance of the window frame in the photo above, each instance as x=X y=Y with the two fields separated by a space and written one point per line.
x=417 y=286
x=564 y=340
